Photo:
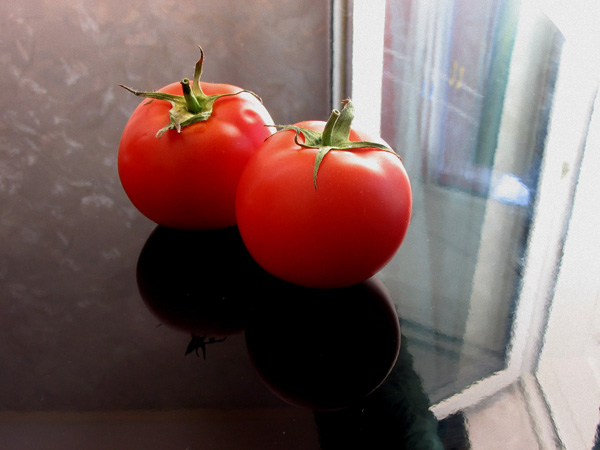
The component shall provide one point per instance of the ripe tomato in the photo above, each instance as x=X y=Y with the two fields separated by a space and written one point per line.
x=320 y=210
x=186 y=175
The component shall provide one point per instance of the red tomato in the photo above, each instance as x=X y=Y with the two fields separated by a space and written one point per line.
x=333 y=231
x=188 y=179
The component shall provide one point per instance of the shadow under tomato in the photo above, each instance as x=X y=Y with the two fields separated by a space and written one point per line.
x=324 y=349
x=199 y=282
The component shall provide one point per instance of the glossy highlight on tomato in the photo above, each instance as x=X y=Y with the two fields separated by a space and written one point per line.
x=184 y=173
x=325 y=226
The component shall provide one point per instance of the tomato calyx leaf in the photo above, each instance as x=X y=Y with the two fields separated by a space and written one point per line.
x=191 y=107
x=335 y=136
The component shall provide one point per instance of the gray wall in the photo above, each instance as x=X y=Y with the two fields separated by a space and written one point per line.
x=69 y=237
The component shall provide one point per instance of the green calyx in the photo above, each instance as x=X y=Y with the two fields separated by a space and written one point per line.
x=191 y=107
x=335 y=136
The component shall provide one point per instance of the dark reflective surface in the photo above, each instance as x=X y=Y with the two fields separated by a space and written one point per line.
x=324 y=349
x=334 y=352
x=320 y=349
x=396 y=416
x=202 y=283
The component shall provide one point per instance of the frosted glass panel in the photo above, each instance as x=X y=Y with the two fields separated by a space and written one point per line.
x=467 y=96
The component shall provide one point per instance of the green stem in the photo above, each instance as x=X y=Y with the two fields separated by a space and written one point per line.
x=335 y=136
x=341 y=132
x=191 y=101
x=328 y=132
x=191 y=107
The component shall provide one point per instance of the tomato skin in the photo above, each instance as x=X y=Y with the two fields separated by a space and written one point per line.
x=188 y=180
x=337 y=235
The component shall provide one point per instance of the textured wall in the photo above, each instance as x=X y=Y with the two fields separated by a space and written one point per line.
x=69 y=237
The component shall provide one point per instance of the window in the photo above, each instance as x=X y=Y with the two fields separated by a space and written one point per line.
x=485 y=103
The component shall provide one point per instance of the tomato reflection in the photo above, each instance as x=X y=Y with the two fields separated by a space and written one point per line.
x=197 y=281
x=324 y=349
x=319 y=349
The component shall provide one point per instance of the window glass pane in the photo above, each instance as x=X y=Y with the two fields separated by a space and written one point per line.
x=466 y=102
